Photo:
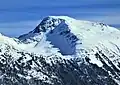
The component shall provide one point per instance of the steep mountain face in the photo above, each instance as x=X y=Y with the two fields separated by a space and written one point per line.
x=62 y=51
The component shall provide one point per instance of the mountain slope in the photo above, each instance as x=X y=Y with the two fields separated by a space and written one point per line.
x=32 y=69
x=63 y=51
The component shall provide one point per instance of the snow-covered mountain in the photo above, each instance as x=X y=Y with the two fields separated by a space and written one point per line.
x=62 y=51
x=74 y=37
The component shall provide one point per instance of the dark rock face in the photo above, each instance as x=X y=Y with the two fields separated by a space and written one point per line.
x=67 y=40
x=47 y=24
x=54 y=30
x=57 y=72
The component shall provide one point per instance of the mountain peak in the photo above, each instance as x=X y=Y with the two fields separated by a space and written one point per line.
x=47 y=23
x=67 y=27
x=64 y=28
x=50 y=22
x=62 y=17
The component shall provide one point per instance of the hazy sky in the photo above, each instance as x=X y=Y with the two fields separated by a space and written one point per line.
x=21 y=16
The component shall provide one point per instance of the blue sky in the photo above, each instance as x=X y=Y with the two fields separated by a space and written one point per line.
x=21 y=16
